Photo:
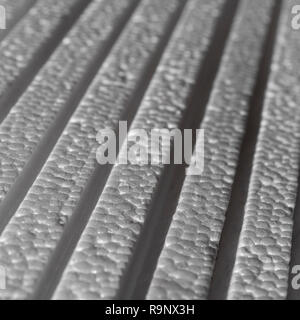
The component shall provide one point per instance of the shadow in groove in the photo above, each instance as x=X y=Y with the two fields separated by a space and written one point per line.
x=235 y=212
x=140 y=270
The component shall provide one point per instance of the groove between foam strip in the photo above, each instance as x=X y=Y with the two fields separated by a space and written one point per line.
x=62 y=181
x=187 y=260
x=31 y=128
x=94 y=179
x=139 y=273
x=42 y=28
x=262 y=264
x=106 y=246
x=234 y=215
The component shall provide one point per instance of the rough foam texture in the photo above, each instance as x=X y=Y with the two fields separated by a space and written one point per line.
x=262 y=264
x=186 y=264
x=72 y=228
x=46 y=98
x=49 y=204
x=107 y=244
x=42 y=23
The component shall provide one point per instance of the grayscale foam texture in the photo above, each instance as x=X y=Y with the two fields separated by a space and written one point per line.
x=261 y=269
x=71 y=228
x=186 y=263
